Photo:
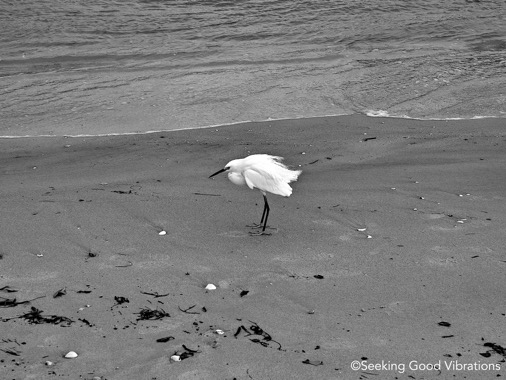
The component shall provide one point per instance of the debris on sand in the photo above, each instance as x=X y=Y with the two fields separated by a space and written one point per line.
x=35 y=317
x=152 y=314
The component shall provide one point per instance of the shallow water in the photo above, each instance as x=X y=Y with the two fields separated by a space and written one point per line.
x=127 y=66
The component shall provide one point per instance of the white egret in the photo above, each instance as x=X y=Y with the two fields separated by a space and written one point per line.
x=265 y=173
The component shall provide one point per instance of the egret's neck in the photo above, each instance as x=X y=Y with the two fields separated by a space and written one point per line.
x=236 y=178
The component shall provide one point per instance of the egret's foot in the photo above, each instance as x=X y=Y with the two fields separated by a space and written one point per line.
x=259 y=225
x=259 y=233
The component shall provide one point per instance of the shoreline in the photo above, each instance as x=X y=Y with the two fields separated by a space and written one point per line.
x=371 y=114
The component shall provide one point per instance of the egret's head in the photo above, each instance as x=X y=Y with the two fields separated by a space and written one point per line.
x=232 y=166
x=226 y=168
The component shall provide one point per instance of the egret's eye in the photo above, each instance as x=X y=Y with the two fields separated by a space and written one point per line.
x=227 y=168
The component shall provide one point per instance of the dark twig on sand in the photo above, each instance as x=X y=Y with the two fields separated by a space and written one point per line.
x=155 y=294
x=11 y=352
x=187 y=310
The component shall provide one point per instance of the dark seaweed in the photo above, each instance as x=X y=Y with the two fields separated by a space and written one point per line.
x=35 y=317
x=8 y=302
x=243 y=293
x=120 y=300
x=8 y=289
x=12 y=302
x=60 y=292
x=313 y=362
x=445 y=324
x=86 y=322
x=150 y=314
x=253 y=330
x=188 y=353
x=165 y=340
x=495 y=348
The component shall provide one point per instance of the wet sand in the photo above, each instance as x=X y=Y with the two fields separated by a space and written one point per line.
x=390 y=250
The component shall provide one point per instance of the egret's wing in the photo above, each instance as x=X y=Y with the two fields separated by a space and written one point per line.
x=272 y=177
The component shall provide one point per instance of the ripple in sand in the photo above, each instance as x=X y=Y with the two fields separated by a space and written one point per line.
x=435 y=216
x=234 y=234
x=338 y=345
x=400 y=308
x=446 y=262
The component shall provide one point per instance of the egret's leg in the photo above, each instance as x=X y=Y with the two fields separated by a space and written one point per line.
x=265 y=215
x=261 y=224
x=266 y=207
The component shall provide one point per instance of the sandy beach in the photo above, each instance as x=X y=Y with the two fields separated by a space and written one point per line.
x=389 y=255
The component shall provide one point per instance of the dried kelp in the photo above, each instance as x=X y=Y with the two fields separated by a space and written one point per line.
x=152 y=314
x=165 y=339
x=494 y=348
x=8 y=289
x=313 y=362
x=187 y=353
x=120 y=300
x=256 y=330
x=12 y=302
x=86 y=322
x=35 y=317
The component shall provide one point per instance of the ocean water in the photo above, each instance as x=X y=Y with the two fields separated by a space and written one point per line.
x=121 y=66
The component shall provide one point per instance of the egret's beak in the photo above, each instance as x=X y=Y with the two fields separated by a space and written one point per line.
x=218 y=172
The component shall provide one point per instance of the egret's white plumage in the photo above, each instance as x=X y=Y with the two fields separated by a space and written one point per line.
x=263 y=172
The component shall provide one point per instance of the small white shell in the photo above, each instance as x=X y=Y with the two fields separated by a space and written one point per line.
x=175 y=358
x=210 y=287
x=220 y=332
x=49 y=363
x=71 y=355
x=161 y=233
x=361 y=229
x=369 y=236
